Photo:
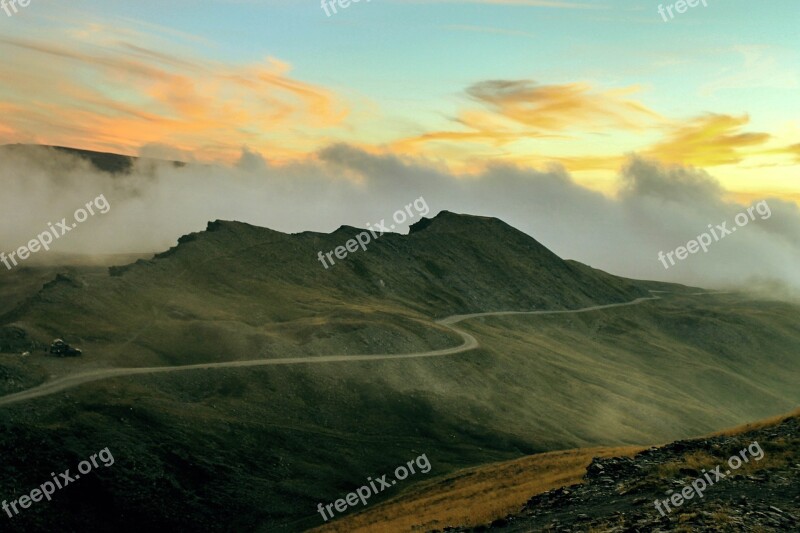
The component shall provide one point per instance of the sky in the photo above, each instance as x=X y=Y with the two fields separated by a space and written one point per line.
x=605 y=132
x=459 y=83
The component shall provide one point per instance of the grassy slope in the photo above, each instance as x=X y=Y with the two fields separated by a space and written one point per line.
x=250 y=449
x=245 y=447
x=480 y=495
x=475 y=496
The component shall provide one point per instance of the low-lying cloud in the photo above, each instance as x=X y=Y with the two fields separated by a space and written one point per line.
x=658 y=208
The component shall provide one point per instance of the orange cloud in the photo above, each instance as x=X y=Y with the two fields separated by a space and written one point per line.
x=516 y=117
x=792 y=150
x=561 y=107
x=119 y=96
x=520 y=109
x=709 y=140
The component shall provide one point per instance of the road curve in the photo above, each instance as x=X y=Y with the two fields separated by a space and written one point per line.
x=470 y=343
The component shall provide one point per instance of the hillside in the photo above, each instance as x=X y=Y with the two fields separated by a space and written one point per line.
x=258 y=448
x=255 y=292
x=762 y=493
x=611 y=490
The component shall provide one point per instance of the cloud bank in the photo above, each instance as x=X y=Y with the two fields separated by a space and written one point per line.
x=658 y=208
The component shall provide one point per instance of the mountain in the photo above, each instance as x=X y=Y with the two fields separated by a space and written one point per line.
x=591 y=360
x=103 y=161
x=254 y=278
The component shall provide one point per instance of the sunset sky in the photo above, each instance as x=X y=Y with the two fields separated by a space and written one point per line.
x=460 y=84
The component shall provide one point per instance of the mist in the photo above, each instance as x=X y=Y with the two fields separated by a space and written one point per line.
x=657 y=209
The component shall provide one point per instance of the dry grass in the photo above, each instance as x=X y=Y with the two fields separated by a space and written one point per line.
x=482 y=494
x=721 y=517
x=477 y=495
x=774 y=421
x=691 y=461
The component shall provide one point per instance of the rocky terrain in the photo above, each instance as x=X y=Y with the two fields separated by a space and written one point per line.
x=618 y=494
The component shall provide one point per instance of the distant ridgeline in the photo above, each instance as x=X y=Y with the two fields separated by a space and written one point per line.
x=105 y=162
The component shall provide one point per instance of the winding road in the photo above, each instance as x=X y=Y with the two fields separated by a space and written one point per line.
x=470 y=343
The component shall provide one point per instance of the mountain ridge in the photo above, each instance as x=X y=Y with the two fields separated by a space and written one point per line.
x=108 y=162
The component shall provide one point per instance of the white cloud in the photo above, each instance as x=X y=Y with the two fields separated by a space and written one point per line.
x=658 y=209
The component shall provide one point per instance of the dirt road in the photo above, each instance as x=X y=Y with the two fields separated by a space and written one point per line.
x=470 y=343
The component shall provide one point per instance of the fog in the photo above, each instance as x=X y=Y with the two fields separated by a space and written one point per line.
x=658 y=208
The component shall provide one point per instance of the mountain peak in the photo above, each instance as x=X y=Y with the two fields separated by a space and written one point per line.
x=450 y=221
